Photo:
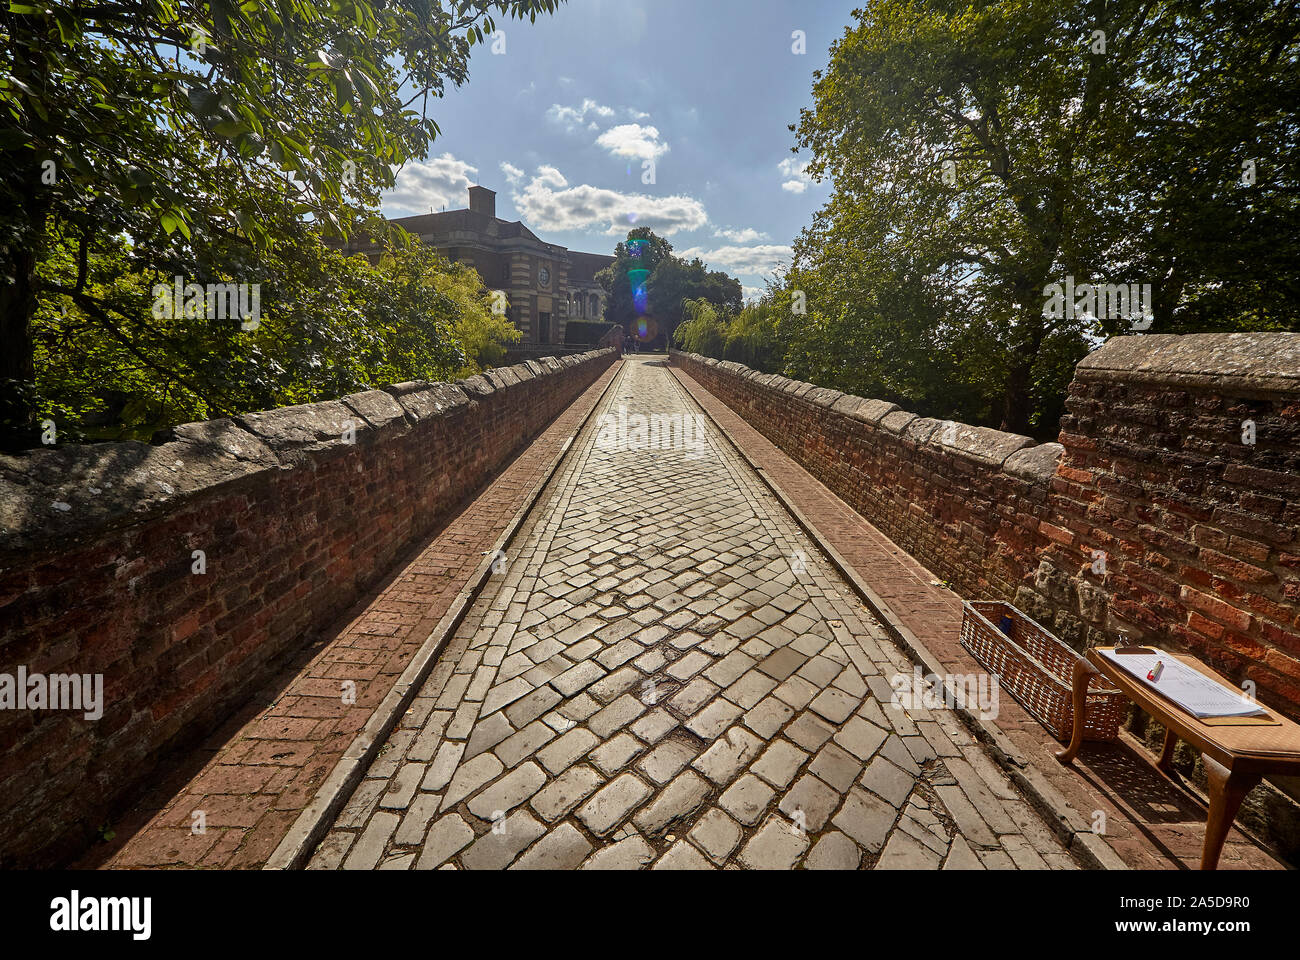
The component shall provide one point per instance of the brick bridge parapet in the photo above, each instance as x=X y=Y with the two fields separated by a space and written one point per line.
x=1167 y=511
x=185 y=573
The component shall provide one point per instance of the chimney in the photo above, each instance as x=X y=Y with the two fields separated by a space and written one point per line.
x=483 y=200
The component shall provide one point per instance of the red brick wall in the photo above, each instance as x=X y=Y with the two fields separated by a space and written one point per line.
x=1196 y=529
x=966 y=501
x=96 y=562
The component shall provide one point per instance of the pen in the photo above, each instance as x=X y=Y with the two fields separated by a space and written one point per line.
x=1154 y=673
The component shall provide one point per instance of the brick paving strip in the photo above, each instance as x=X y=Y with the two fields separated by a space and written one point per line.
x=670 y=674
x=925 y=617
x=274 y=769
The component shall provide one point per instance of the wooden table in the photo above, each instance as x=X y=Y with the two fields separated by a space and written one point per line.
x=1236 y=757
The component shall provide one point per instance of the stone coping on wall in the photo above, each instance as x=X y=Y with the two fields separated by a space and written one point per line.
x=51 y=498
x=986 y=447
x=1250 y=363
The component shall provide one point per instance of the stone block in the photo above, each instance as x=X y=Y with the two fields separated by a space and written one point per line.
x=308 y=427
x=381 y=411
x=431 y=400
x=1035 y=464
x=896 y=421
x=982 y=444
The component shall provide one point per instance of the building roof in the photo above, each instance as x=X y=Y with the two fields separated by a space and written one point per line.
x=439 y=227
x=469 y=220
x=585 y=266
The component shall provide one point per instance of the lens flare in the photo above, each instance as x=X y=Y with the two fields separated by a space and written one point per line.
x=638 y=279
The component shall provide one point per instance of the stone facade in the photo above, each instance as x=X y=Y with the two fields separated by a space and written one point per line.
x=545 y=284
x=586 y=296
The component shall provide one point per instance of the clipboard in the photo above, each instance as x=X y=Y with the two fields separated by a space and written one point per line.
x=1266 y=720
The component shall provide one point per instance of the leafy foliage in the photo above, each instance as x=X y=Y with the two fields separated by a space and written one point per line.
x=702 y=330
x=329 y=325
x=204 y=138
x=980 y=152
x=747 y=336
x=645 y=260
x=675 y=282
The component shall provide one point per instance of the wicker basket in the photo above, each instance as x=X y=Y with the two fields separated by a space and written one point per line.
x=1037 y=669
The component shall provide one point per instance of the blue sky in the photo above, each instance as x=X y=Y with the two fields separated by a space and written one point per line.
x=562 y=122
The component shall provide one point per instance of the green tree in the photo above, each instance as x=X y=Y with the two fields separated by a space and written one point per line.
x=981 y=152
x=635 y=259
x=701 y=329
x=751 y=337
x=676 y=281
x=192 y=127
x=748 y=335
x=646 y=280
x=327 y=325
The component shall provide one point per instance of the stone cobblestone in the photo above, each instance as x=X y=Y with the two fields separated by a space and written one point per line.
x=668 y=674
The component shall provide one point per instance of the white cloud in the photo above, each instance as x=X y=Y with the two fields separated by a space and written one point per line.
x=796 y=174
x=573 y=117
x=793 y=167
x=755 y=260
x=748 y=235
x=513 y=173
x=431 y=184
x=752 y=293
x=548 y=176
x=628 y=140
x=549 y=203
x=633 y=141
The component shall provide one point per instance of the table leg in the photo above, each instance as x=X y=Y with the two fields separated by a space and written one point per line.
x=1227 y=789
x=1166 y=760
x=1082 y=676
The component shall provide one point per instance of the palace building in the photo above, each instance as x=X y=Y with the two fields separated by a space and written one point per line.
x=546 y=285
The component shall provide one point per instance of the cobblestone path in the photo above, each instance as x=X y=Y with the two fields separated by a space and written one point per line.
x=666 y=673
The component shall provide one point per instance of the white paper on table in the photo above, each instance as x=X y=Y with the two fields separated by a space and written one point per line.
x=1192 y=690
